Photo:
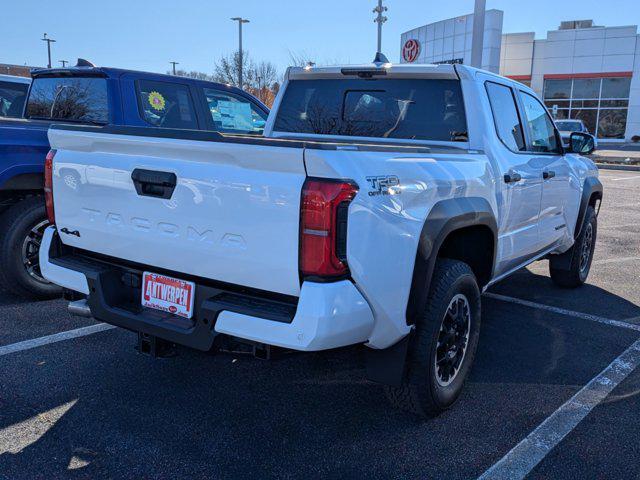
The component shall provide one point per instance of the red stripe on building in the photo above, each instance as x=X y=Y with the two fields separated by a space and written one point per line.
x=519 y=77
x=564 y=76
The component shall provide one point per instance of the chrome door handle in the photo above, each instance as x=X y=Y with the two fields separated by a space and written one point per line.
x=548 y=174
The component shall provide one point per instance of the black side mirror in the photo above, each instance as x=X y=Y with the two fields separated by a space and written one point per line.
x=582 y=143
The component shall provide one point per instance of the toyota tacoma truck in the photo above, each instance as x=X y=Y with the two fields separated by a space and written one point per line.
x=86 y=94
x=381 y=202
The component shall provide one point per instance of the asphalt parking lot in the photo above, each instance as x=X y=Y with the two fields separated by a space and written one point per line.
x=552 y=393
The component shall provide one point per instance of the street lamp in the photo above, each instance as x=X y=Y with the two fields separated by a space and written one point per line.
x=49 y=42
x=240 y=21
x=64 y=63
x=173 y=64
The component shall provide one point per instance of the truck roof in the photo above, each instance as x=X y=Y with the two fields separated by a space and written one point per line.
x=375 y=69
x=115 y=73
x=14 y=79
x=397 y=70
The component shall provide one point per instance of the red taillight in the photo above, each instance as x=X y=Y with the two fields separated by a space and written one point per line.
x=48 y=186
x=323 y=227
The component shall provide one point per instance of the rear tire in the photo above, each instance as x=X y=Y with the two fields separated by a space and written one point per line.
x=444 y=343
x=21 y=229
x=581 y=254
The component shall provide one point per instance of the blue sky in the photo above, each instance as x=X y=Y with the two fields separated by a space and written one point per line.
x=146 y=35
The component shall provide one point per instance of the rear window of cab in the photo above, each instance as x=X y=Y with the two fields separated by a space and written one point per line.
x=75 y=99
x=413 y=109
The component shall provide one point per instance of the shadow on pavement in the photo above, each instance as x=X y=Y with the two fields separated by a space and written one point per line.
x=589 y=298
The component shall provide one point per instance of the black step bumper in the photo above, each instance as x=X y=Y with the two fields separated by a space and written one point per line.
x=115 y=298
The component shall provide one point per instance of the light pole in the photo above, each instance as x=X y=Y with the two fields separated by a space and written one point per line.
x=380 y=19
x=49 y=42
x=240 y=21
x=64 y=62
x=173 y=64
x=477 y=41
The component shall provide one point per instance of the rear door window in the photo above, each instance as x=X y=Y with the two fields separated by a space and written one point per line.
x=429 y=109
x=12 y=98
x=233 y=113
x=75 y=99
x=166 y=104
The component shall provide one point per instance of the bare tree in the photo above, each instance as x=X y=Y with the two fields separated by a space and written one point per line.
x=227 y=68
x=259 y=78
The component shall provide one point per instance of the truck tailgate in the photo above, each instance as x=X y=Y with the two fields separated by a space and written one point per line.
x=233 y=215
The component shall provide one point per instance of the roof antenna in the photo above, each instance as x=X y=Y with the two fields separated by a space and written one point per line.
x=380 y=19
x=84 y=63
x=380 y=58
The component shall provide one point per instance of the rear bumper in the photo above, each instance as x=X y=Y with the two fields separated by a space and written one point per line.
x=325 y=316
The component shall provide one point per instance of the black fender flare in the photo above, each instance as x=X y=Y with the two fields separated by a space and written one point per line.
x=591 y=186
x=387 y=366
x=445 y=217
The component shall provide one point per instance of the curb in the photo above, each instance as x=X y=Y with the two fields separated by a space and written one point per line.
x=612 y=166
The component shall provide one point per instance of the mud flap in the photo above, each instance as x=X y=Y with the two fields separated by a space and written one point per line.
x=387 y=366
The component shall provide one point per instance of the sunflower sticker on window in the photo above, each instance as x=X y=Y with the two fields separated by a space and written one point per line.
x=156 y=100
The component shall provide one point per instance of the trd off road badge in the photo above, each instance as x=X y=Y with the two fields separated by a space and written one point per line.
x=384 y=185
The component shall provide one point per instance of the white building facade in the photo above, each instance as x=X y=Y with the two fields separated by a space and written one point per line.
x=581 y=70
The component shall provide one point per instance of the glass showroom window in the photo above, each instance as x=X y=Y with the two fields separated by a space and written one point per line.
x=601 y=103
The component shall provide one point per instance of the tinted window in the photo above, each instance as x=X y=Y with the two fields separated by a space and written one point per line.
x=616 y=87
x=12 y=98
x=557 y=89
x=407 y=109
x=541 y=129
x=69 y=98
x=505 y=115
x=233 y=113
x=166 y=105
x=586 y=88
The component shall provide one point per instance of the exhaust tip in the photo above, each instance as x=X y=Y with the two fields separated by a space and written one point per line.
x=80 y=308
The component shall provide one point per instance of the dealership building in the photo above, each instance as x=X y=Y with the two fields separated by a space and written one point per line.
x=581 y=70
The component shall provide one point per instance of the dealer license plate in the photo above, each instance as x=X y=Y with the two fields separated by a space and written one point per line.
x=168 y=294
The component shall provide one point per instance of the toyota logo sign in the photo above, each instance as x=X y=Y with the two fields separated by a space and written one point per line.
x=411 y=50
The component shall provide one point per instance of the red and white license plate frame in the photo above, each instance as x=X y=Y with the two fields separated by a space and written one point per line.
x=168 y=294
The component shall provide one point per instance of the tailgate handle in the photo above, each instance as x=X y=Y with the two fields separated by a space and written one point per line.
x=150 y=183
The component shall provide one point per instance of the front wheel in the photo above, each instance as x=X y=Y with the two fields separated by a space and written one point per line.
x=22 y=228
x=443 y=347
x=580 y=254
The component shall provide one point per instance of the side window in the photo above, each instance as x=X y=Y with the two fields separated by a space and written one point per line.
x=78 y=99
x=12 y=98
x=505 y=116
x=166 y=105
x=233 y=113
x=541 y=129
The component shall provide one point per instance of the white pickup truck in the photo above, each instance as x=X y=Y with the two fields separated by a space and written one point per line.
x=382 y=200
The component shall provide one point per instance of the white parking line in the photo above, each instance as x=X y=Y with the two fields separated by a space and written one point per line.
x=529 y=452
x=626 y=225
x=616 y=260
x=625 y=178
x=56 y=337
x=564 y=311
